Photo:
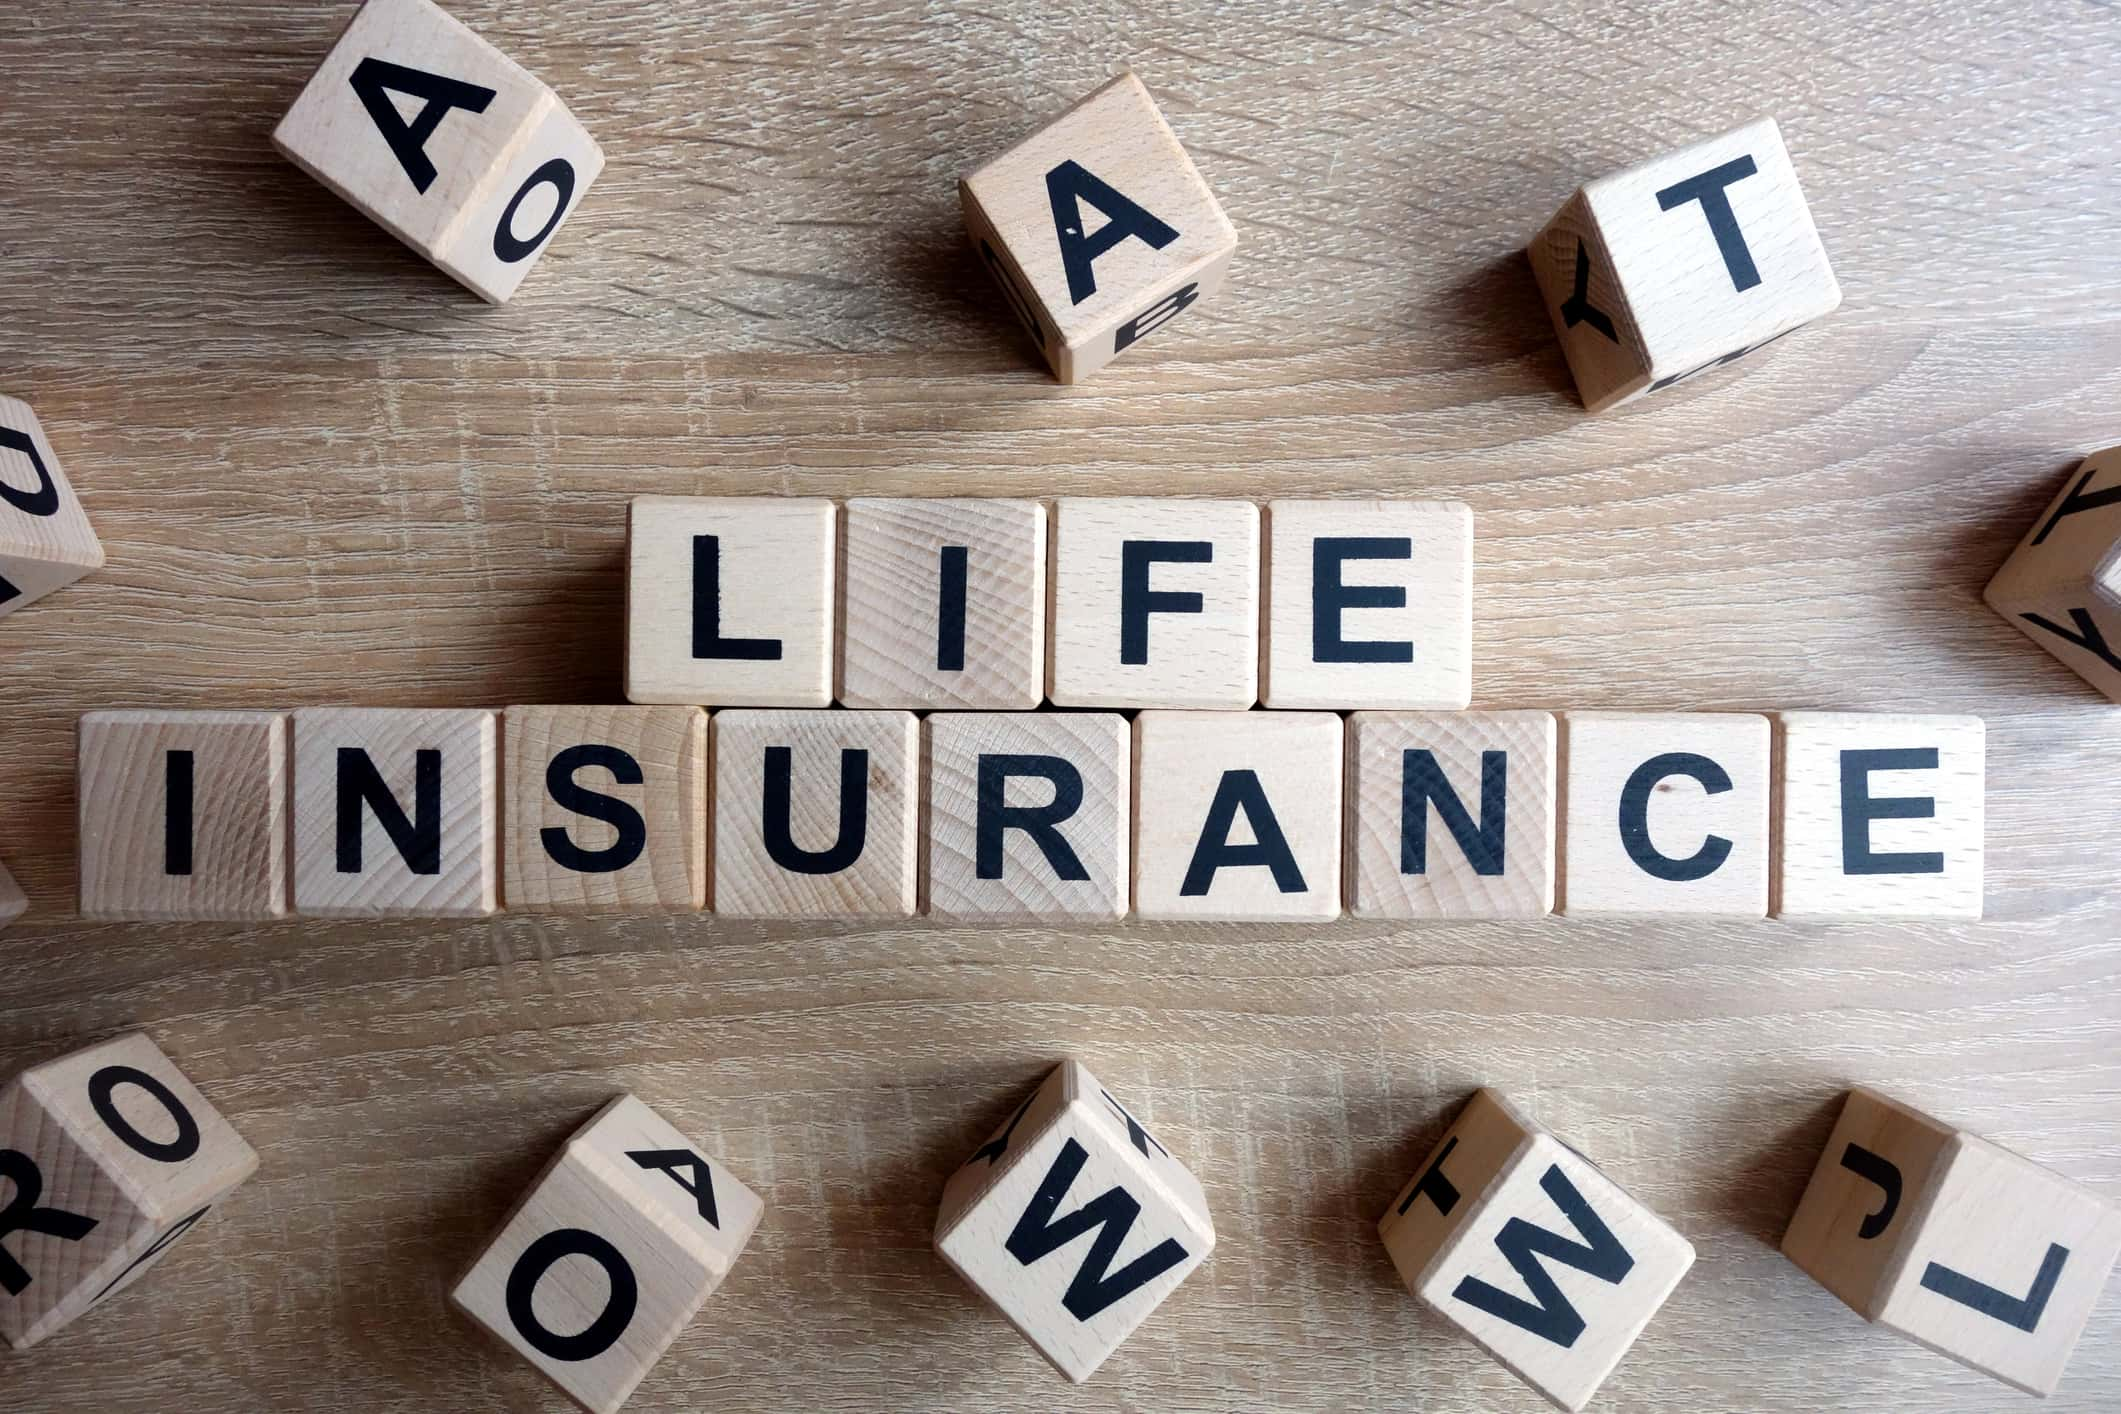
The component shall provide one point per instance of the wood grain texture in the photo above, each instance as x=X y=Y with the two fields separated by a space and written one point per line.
x=327 y=475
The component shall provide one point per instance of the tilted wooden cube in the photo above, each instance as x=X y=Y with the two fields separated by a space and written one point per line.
x=2062 y=586
x=45 y=539
x=1523 y=1244
x=1681 y=263
x=443 y=141
x=107 y=1157
x=13 y=902
x=1072 y=1163
x=610 y=1254
x=1954 y=1242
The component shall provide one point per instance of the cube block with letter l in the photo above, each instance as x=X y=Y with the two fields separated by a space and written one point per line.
x=46 y=542
x=1074 y=1221
x=107 y=1157
x=1523 y=1244
x=1953 y=1241
x=2062 y=586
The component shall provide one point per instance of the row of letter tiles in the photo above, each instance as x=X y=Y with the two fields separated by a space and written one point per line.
x=1030 y=816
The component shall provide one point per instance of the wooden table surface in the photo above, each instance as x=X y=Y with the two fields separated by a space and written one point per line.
x=324 y=474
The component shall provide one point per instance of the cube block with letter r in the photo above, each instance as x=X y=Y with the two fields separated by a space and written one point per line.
x=2062 y=586
x=46 y=542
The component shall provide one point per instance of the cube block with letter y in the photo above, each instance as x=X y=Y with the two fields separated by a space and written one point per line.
x=2062 y=586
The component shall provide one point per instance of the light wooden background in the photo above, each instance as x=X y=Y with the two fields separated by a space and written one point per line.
x=326 y=475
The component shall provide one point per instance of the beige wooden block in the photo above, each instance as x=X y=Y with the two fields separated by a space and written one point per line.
x=2062 y=586
x=729 y=600
x=1881 y=815
x=610 y=1253
x=395 y=812
x=1155 y=603
x=115 y=1155
x=1681 y=263
x=606 y=809
x=943 y=604
x=1237 y=815
x=1098 y=228
x=46 y=542
x=1073 y=1162
x=1523 y=1244
x=1028 y=816
x=1665 y=812
x=13 y=902
x=443 y=141
x=1452 y=814
x=816 y=814
x=1369 y=604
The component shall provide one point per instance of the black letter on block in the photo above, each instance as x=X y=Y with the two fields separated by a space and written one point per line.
x=1137 y=601
x=418 y=841
x=1635 y=817
x=1576 y=309
x=1859 y=807
x=1241 y=790
x=1110 y=1215
x=2086 y=637
x=707 y=640
x=698 y=1180
x=42 y=502
x=374 y=80
x=22 y=1214
x=507 y=246
x=994 y=1148
x=8 y=589
x=178 y=1149
x=2020 y=1313
x=778 y=824
x=993 y=817
x=1011 y=293
x=1139 y=1137
x=950 y=609
x=1708 y=189
x=1069 y=184
x=1421 y=781
x=1433 y=1185
x=177 y=788
x=1155 y=316
x=1548 y=1314
x=162 y=1244
x=1330 y=597
x=1886 y=1174
x=569 y=794
x=2075 y=503
x=600 y=1334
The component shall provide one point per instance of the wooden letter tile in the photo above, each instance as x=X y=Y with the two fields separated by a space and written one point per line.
x=13 y=902
x=2062 y=586
x=45 y=539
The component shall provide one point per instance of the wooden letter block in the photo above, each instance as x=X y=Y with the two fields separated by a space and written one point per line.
x=1881 y=816
x=1155 y=603
x=108 y=1156
x=1686 y=261
x=606 y=809
x=1453 y=814
x=45 y=539
x=1098 y=228
x=1954 y=1242
x=443 y=141
x=1523 y=1244
x=944 y=604
x=13 y=902
x=1665 y=813
x=2062 y=586
x=1028 y=816
x=816 y=813
x=395 y=813
x=1369 y=604
x=1072 y=1162
x=610 y=1254
x=729 y=600
x=1237 y=815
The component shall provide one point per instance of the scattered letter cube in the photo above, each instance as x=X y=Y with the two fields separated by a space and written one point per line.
x=45 y=539
x=2062 y=586
x=13 y=902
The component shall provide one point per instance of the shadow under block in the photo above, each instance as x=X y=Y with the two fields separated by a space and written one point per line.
x=443 y=141
x=1028 y=816
x=46 y=542
x=614 y=1248
x=1881 y=816
x=1524 y=1245
x=1155 y=603
x=1954 y=1242
x=1681 y=263
x=121 y=1156
x=1069 y=1163
x=1452 y=816
x=13 y=902
x=943 y=604
x=729 y=600
x=1237 y=816
x=2062 y=586
x=1369 y=604
x=1098 y=229
x=395 y=813
x=183 y=815
x=606 y=809
x=816 y=814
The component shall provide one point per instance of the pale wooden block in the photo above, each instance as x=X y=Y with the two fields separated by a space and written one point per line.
x=1911 y=847
x=1665 y=812
x=1155 y=603
x=1369 y=604
x=46 y=542
x=1070 y=1162
x=943 y=604
x=729 y=600
x=1098 y=228
x=395 y=812
x=611 y=1252
x=606 y=809
x=2062 y=586
x=1237 y=815
x=13 y=902
x=1680 y=263
x=121 y=1156
x=1452 y=814
x=816 y=814
x=443 y=141
x=1028 y=816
